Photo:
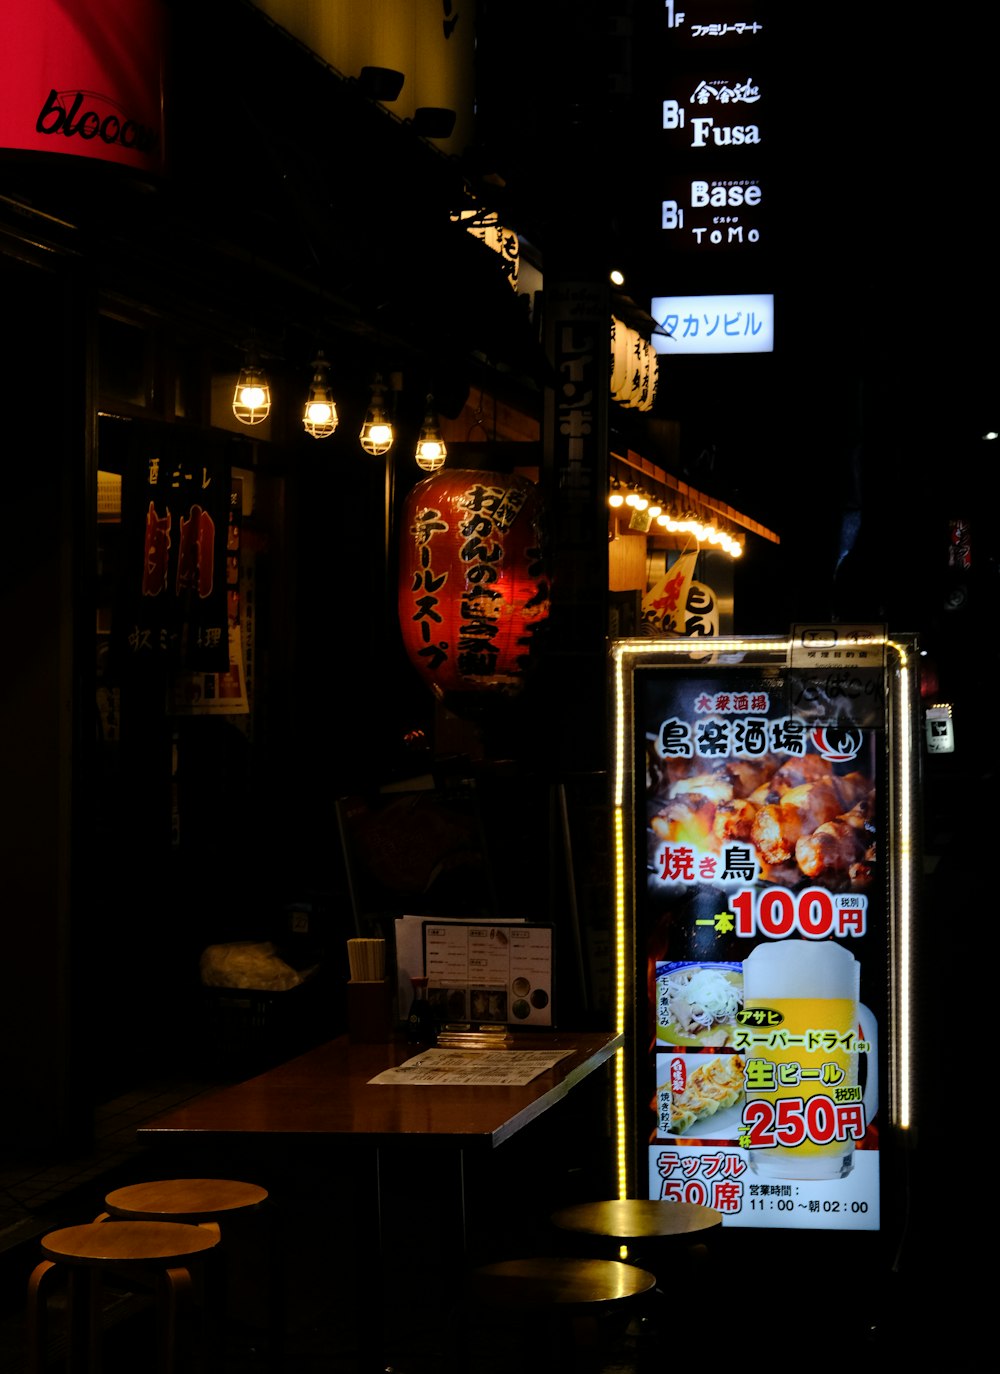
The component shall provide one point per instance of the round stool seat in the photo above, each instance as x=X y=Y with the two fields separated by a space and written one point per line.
x=158 y=1253
x=557 y=1282
x=638 y=1219
x=184 y=1199
x=135 y=1242
x=217 y=1206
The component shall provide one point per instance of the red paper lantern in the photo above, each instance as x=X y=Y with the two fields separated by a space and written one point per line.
x=473 y=591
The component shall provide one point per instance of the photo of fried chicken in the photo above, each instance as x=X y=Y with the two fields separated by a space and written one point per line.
x=804 y=819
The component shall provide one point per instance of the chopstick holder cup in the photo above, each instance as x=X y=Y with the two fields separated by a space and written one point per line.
x=369 y=1012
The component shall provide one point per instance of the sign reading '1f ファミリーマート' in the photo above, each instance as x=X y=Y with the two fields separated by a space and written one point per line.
x=761 y=789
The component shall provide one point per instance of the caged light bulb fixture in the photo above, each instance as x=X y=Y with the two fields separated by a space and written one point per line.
x=252 y=397
x=376 y=433
x=319 y=416
x=431 y=451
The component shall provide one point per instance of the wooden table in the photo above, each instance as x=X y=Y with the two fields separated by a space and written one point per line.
x=327 y=1092
x=325 y=1096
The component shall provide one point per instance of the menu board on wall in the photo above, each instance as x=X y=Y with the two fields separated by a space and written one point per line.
x=763 y=805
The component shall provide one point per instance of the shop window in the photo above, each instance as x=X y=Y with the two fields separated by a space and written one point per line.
x=187 y=383
x=125 y=361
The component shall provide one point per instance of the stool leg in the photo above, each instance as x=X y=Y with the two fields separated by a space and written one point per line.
x=210 y=1283
x=174 y=1304
x=43 y=1278
x=275 y=1282
x=84 y=1314
x=585 y=1337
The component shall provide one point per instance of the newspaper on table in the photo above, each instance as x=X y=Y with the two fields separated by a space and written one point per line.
x=496 y=1068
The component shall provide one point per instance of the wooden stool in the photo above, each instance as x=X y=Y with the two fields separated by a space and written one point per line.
x=154 y=1252
x=665 y=1237
x=550 y=1308
x=204 y=1202
x=199 y=1201
x=635 y=1220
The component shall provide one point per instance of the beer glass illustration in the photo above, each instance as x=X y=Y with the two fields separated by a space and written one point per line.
x=802 y=1008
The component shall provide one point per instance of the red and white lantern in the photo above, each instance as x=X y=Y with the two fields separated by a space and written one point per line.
x=473 y=590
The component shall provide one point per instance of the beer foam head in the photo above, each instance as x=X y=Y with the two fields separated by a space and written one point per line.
x=800 y=968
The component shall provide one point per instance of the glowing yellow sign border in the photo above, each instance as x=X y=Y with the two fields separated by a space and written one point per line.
x=902 y=766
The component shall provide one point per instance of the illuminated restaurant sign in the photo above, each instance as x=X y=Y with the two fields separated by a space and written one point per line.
x=84 y=81
x=715 y=130
x=713 y=324
x=766 y=793
x=720 y=212
x=714 y=190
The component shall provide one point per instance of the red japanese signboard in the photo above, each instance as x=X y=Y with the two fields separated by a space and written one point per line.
x=84 y=80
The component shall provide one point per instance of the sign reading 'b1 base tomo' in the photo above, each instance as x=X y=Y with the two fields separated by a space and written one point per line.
x=765 y=791
x=84 y=80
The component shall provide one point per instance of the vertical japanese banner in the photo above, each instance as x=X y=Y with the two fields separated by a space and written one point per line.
x=762 y=800
x=203 y=693
x=175 y=517
x=578 y=324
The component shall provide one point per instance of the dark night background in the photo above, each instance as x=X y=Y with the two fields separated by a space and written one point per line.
x=860 y=437
x=858 y=441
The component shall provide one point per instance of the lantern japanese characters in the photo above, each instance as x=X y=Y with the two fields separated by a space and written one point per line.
x=634 y=368
x=473 y=592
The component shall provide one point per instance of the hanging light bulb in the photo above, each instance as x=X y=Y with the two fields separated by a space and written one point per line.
x=431 y=451
x=252 y=397
x=376 y=431
x=616 y=497
x=319 y=415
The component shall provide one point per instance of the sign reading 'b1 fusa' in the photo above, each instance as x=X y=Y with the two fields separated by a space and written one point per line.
x=84 y=81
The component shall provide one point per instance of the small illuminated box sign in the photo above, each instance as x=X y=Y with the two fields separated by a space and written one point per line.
x=940 y=733
x=713 y=324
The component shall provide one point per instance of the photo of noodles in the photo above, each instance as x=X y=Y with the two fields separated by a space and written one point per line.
x=697 y=1004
